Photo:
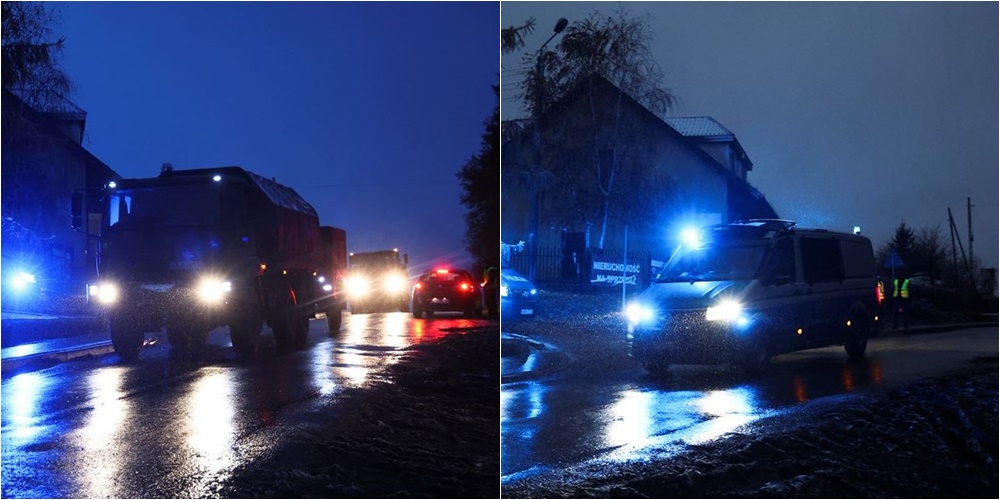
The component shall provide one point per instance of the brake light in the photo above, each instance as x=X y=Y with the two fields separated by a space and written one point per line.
x=464 y=286
x=419 y=285
x=442 y=271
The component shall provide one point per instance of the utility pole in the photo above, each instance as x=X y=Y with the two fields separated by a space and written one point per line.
x=969 y=202
x=538 y=110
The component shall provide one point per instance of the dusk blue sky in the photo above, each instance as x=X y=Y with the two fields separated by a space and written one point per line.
x=854 y=113
x=368 y=110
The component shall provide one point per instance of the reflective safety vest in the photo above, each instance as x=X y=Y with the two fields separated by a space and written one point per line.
x=903 y=291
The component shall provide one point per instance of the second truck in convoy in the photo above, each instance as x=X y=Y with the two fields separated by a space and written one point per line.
x=378 y=281
x=192 y=250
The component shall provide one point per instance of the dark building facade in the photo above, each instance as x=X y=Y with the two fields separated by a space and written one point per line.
x=598 y=165
x=43 y=165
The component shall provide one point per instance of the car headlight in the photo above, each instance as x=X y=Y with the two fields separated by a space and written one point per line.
x=638 y=313
x=357 y=286
x=105 y=293
x=214 y=290
x=504 y=291
x=726 y=310
x=395 y=283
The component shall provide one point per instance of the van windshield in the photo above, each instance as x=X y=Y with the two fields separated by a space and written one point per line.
x=718 y=261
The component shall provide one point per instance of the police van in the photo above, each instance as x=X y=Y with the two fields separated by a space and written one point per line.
x=742 y=292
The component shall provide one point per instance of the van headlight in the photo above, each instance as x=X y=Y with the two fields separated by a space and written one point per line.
x=213 y=290
x=638 y=313
x=504 y=291
x=726 y=310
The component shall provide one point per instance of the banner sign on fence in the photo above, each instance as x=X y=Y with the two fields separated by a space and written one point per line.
x=606 y=273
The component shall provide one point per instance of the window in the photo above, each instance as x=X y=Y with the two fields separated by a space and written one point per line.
x=859 y=262
x=780 y=267
x=821 y=260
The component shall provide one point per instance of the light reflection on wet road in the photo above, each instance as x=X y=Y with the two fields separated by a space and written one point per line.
x=176 y=426
x=579 y=416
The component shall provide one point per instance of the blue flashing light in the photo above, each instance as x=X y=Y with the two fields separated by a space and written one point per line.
x=691 y=237
x=112 y=184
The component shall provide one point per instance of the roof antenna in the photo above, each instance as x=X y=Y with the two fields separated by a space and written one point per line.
x=166 y=169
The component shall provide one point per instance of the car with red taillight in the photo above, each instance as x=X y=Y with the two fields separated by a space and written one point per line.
x=445 y=289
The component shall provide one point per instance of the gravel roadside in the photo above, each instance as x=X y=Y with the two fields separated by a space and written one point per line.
x=430 y=428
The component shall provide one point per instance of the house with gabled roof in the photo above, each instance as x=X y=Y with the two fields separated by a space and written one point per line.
x=44 y=164
x=668 y=172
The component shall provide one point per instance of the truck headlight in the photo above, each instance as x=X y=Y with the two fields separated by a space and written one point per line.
x=357 y=286
x=214 y=290
x=726 y=310
x=395 y=283
x=105 y=293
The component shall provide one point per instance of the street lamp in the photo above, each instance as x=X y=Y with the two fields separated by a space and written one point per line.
x=538 y=110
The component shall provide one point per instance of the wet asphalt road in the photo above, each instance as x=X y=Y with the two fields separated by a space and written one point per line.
x=176 y=426
x=619 y=413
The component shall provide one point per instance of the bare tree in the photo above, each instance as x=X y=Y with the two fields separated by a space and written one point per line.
x=30 y=51
x=597 y=144
x=512 y=38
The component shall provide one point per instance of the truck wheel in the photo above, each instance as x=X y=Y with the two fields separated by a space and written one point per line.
x=179 y=339
x=656 y=367
x=246 y=323
x=282 y=323
x=125 y=338
x=334 y=320
x=301 y=332
x=245 y=333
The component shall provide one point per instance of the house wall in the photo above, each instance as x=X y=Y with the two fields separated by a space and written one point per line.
x=41 y=169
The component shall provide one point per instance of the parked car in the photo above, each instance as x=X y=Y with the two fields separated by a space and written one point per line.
x=445 y=289
x=518 y=295
x=745 y=291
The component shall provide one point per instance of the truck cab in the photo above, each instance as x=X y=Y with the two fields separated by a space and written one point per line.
x=192 y=250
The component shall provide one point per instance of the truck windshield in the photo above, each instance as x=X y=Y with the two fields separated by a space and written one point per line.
x=165 y=206
x=733 y=260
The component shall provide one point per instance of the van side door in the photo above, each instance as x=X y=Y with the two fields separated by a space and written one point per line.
x=781 y=288
x=822 y=267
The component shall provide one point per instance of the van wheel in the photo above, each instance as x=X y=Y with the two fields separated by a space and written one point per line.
x=856 y=338
x=757 y=354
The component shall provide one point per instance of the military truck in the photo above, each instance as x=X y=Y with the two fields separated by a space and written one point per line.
x=192 y=250
x=378 y=281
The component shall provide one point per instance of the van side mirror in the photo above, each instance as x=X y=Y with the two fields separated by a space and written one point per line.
x=782 y=279
x=76 y=209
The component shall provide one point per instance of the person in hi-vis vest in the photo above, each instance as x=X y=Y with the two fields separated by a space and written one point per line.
x=901 y=301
